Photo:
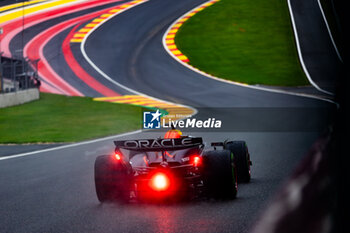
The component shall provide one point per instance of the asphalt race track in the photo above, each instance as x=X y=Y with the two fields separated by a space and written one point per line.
x=53 y=190
x=321 y=56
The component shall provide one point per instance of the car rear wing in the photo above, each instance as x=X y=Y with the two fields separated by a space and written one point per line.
x=161 y=144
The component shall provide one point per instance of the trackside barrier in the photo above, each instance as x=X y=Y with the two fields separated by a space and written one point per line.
x=16 y=74
x=307 y=201
x=18 y=97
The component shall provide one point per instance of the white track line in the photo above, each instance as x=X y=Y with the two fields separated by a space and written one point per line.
x=20 y=8
x=44 y=9
x=246 y=85
x=329 y=31
x=300 y=53
x=69 y=145
x=82 y=48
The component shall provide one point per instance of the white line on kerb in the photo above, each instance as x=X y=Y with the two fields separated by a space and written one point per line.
x=44 y=9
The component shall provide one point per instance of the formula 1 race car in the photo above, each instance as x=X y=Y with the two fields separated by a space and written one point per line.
x=171 y=168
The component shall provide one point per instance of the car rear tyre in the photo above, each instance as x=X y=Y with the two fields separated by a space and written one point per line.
x=220 y=174
x=242 y=159
x=113 y=179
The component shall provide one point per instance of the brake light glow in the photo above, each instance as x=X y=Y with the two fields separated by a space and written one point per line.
x=160 y=182
x=196 y=161
x=117 y=156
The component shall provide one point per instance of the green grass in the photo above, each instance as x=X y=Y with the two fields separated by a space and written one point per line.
x=245 y=41
x=56 y=118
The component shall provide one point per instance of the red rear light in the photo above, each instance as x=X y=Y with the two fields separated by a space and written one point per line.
x=117 y=156
x=196 y=161
x=160 y=182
